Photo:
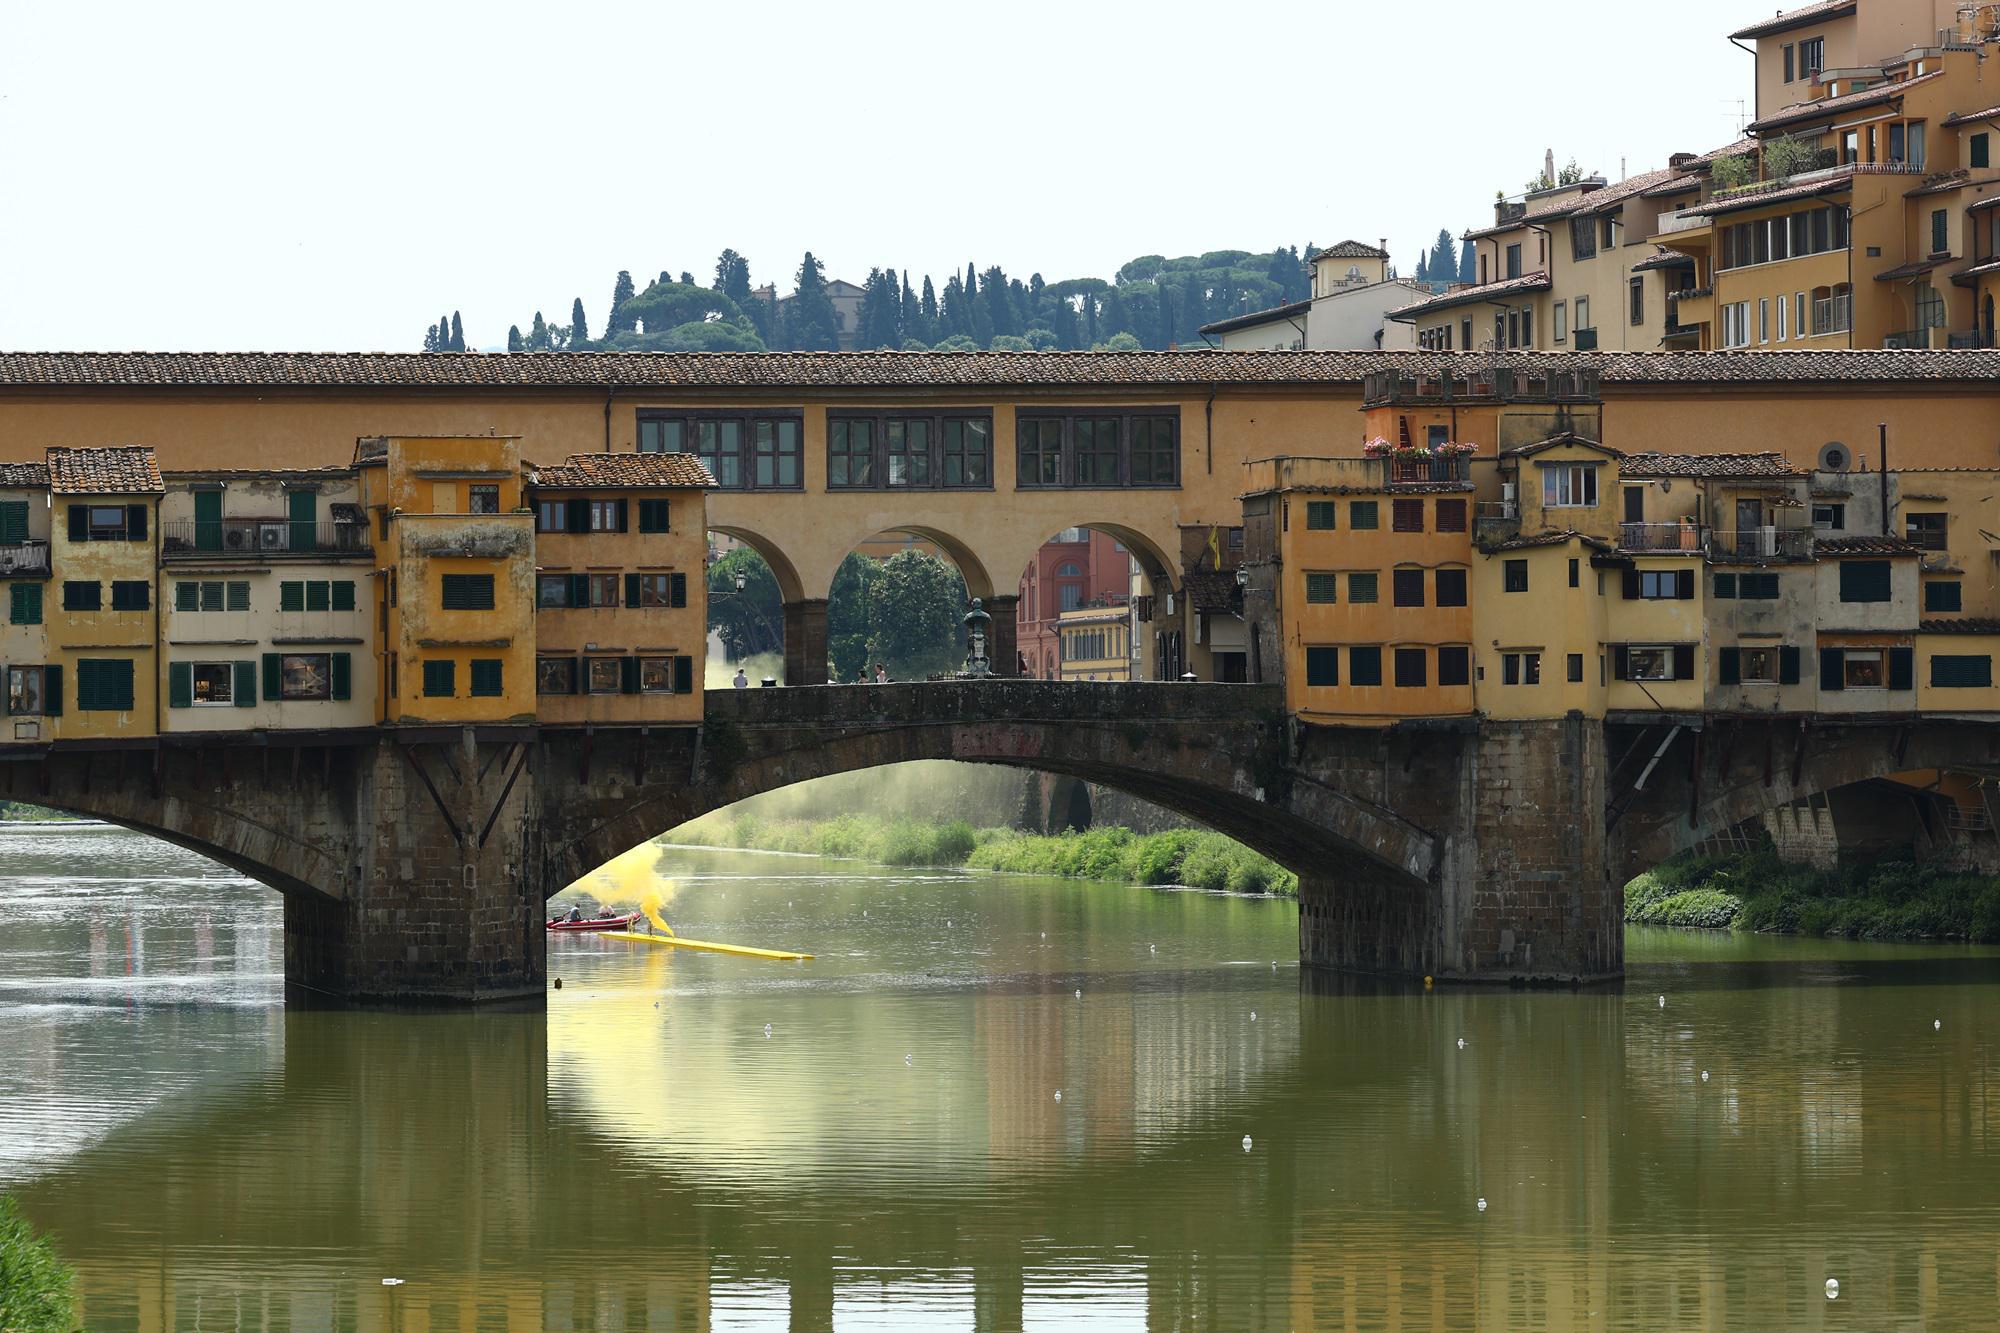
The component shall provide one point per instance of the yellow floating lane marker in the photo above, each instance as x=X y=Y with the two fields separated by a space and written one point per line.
x=703 y=946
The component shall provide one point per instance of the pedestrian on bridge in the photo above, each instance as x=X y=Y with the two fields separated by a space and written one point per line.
x=742 y=682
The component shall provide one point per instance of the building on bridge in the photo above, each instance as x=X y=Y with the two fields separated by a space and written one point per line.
x=24 y=596
x=101 y=671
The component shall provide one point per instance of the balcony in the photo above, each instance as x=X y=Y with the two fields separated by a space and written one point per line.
x=1972 y=338
x=1499 y=384
x=1913 y=339
x=1495 y=521
x=24 y=558
x=1690 y=537
x=258 y=538
x=1680 y=220
x=1832 y=314
x=1767 y=543
x=1422 y=471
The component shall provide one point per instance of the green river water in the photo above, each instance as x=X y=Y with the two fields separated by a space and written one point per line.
x=1238 y=1144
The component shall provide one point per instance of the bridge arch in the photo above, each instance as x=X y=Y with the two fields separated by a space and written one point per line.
x=790 y=586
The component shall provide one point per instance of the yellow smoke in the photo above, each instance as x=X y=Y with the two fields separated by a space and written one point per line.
x=650 y=905
x=629 y=878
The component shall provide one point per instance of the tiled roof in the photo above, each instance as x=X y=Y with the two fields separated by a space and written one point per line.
x=1736 y=149
x=1799 y=113
x=1967 y=117
x=253 y=473
x=1916 y=268
x=1527 y=282
x=122 y=470
x=1706 y=465
x=1967 y=277
x=583 y=472
x=1553 y=538
x=1386 y=488
x=1957 y=180
x=1664 y=259
x=1256 y=317
x=1590 y=201
x=1830 y=9
x=1351 y=250
x=1967 y=625
x=1864 y=546
x=769 y=372
x=1212 y=591
x=24 y=474
x=1731 y=203
x=1556 y=441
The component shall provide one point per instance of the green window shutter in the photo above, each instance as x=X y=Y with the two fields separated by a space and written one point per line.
x=180 y=685
x=1684 y=585
x=1621 y=662
x=683 y=675
x=621 y=515
x=1788 y=665
x=1728 y=661
x=13 y=522
x=1961 y=671
x=135 y=523
x=211 y=596
x=82 y=595
x=273 y=677
x=631 y=590
x=578 y=516
x=467 y=592
x=1631 y=582
x=677 y=590
x=52 y=691
x=653 y=516
x=245 y=693
x=579 y=590
x=440 y=679
x=1725 y=585
x=318 y=596
x=1943 y=595
x=291 y=596
x=628 y=675
x=25 y=604
x=343 y=595
x=1832 y=664
x=1864 y=580
x=239 y=596
x=1902 y=669
x=343 y=675
x=79 y=523
x=486 y=678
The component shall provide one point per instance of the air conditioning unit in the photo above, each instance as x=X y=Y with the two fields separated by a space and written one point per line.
x=235 y=538
x=1507 y=494
x=271 y=536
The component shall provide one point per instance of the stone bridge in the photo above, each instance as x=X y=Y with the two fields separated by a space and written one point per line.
x=414 y=861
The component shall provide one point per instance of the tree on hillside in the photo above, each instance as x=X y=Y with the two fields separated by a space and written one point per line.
x=904 y=612
x=579 y=327
x=431 y=339
x=513 y=337
x=621 y=291
x=1468 y=263
x=732 y=277
x=538 y=335
x=457 y=333
x=879 y=318
x=811 y=324
x=753 y=621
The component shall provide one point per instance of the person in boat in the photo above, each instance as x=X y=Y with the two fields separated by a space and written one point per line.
x=575 y=915
x=607 y=913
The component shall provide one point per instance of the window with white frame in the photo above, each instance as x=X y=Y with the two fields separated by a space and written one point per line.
x=1569 y=486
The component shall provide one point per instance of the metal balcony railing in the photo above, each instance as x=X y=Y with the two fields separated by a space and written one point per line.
x=1662 y=537
x=1832 y=314
x=1408 y=471
x=24 y=558
x=1767 y=543
x=238 y=538
x=1910 y=339
x=1972 y=338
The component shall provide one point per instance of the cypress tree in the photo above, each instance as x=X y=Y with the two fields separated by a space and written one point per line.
x=1468 y=263
x=457 y=333
x=513 y=337
x=814 y=325
x=621 y=291
x=929 y=301
x=538 y=335
x=579 y=328
x=687 y=278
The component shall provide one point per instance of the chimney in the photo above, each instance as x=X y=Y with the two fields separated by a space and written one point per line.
x=1549 y=166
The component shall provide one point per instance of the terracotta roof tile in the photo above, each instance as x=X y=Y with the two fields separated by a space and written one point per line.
x=1351 y=250
x=1760 y=198
x=584 y=472
x=1829 y=9
x=1967 y=117
x=1589 y=202
x=1457 y=296
x=1209 y=590
x=1554 y=441
x=1707 y=465
x=122 y=470
x=1838 y=546
x=1799 y=113
x=1256 y=317
x=1968 y=625
x=25 y=474
x=1552 y=538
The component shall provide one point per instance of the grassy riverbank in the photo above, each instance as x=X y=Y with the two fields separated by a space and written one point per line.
x=1192 y=857
x=35 y=1287
x=1895 y=900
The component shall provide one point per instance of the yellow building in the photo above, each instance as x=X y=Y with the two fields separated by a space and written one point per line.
x=621 y=615
x=1096 y=643
x=24 y=598
x=1954 y=665
x=102 y=663
x=454 y=549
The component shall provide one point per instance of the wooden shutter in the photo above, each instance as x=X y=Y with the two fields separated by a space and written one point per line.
x=343 y=675
x=631 y=590
x=579 y=590
x=135 y=523
x=187 y=596
x=52 y=691
x=1683 y=661
x=343 y=594
x=274 y=685
x=180 y=685
x=245 y=693
x=1788 y=665
x=1684 y=585
x=1631 y=587
x=1621 y=662
x=13 y=522
x=79 y=523
x=677 y=590
x=1902 y=668
x=622 y=506
x=1729 y=662
x=1832 y=663
x=291 y=596
x=628 y=675
x=577 y=517
x=683 y=675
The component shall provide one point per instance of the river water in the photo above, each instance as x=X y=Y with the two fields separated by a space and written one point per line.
x=1237 y=1144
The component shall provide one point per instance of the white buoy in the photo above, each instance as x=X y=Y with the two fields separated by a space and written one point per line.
x=1045 y=934
x=1461 y=1043
x=1663 y=1002
x=1482 y=1205
x=1058 y=1094
x=1833 y=1288
x=947 y=923
x=906 y=1059
x=1246 y=1143
x=1704 y=1076
x=767 y=1029
x=1253 y=1015
x=1937 y=1025
x=392 y=1282
x=1152 y=948
x=1079 y=995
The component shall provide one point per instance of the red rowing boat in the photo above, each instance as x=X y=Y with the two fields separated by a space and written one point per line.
x=595 y=923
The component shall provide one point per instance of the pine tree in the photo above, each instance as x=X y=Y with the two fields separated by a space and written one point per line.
x=732 y=277
x=1423 y=268
x=997 y=297
x=457 y=333
x=952 y=314
x=431 y=338
x=579 y=328
x=513 y=337
x=912 y=314
x=687 y=278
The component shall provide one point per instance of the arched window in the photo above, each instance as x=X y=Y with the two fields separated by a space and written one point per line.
x=1066 y=570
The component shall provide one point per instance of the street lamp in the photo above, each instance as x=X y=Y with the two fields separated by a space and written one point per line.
x=978 y=626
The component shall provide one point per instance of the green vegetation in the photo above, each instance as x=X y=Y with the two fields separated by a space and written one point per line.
x=35 y=1288
x=904 y=612
x=1193 y=857
x=1892 y=900
x=22 y=810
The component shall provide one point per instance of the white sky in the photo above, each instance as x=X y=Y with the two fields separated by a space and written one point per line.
x=305 y=177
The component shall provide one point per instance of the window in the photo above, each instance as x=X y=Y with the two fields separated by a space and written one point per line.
x=131 y=595
x=1784 y=306
x=1406 y=515
x=26 y=691
x=1576 y=668
x=1412 y=667
x=1942 y=595
x=1451 y=516
x=1758 y=587
x=758 y=451
x=1725 y=585
x=1636 y=293
x=551 y=516
x=552 y=590
x=1406 y=587
x=486 y=678
x=604 y=676
x=1520 y=668
x=607 y=515
x=1926 y=530
x=1451 y=587
x=1361 y=588
x=1864 y=669
x=1562 y=321
x=1364 y=666
x=1071 y=596
x=1454 y=665
x=1979 y=152
x=210 y=684
x=1319 y=515
x=1569 y=486
x=1582 y=238
x=1829 y=517
x=1098 y=449
x=104 y=685
x=1649 y=662
x=968 y=451
x=909 y=444
x=1514 y=576
x=555 y=675
x=1812 y=57
x=1952 y=671
x=653 y=515
x=1764 y=319
x=1864 y=580
x=13 y=522
x=1321 y=588
x=79 y=595
x=24 y=604
x=1929 y=305
x=1788 y=62
x=656 y=675
x=105 y=523
x=1514 y=260
x=1736 y=324
x=467 y=592
x=1939 y=237
x=1361 y=515
x=1659 y=584
x=315 y=595
x=1583 y=313
x=1322 y=666
x=656 y=590
x=850 y=453
x=483 y=499
x=439 y=679
x=603 y=590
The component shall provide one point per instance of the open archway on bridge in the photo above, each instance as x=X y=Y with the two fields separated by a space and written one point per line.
x=1093 y=605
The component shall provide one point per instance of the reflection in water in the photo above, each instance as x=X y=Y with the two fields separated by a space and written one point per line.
x=644 y=1156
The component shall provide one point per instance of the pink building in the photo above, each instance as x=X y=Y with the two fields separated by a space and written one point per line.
x=1076 y=568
